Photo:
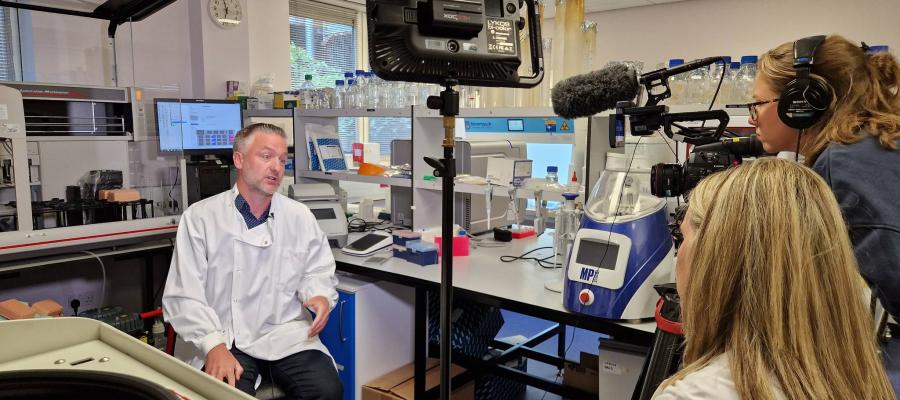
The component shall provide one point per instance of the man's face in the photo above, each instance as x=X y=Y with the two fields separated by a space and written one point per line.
x=261 y=164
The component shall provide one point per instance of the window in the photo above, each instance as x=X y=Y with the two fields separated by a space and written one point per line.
x=7 y=45
x=323 y=44
x=385 y=130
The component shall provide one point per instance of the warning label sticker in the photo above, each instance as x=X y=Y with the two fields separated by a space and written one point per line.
x=501 y=36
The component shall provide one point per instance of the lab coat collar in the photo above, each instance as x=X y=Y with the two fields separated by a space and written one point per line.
x=261 y=235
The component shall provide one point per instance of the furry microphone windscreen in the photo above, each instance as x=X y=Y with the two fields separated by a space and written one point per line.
x=587 y=94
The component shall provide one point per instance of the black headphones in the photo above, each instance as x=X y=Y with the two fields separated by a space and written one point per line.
x=805 y=98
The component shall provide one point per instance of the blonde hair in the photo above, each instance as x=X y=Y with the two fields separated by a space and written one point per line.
x=865 y=88
x=244 y=136
x=774 y=284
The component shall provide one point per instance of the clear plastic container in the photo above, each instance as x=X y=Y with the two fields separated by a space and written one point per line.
x=264 y=91
x=621 y=196
x=362 y=89
x=351 y=100
x=307 y=95
x=552 y=185
x=697 y=87
x=744 y=80
x=732 y=75
x=347 y=100
x=677 y=83
x=337 y=101
x=552 y=174
x=159 y=335
x=378 y=91
x=715 y=73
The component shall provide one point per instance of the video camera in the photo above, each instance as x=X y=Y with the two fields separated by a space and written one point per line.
x=668 y=180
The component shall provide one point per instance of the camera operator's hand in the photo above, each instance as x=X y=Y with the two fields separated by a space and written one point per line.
x=222 y=365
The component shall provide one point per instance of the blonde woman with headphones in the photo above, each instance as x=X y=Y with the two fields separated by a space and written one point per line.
x=770 y=292
x=838 y=104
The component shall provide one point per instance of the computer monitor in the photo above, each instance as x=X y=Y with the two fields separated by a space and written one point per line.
x=197 y=126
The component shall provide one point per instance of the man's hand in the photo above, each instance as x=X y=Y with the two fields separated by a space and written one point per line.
x=221 y=364
x=318 y=305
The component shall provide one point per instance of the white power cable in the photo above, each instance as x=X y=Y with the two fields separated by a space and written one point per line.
x=103 y=273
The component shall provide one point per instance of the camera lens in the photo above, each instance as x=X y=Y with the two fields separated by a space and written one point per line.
x=666 y=180
x=453 y=46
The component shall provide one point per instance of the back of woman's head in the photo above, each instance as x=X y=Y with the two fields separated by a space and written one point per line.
x=864 y=86
x=774 y=283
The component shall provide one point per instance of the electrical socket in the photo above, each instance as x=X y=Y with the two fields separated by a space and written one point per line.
x=88 y=301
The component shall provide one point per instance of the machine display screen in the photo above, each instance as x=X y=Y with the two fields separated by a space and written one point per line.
x=197 y=125
x=597 y=254
x=323 y=213
x=366 y=242
x=515 y=125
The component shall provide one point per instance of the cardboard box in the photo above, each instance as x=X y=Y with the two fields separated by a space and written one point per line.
x=583 y=375
x=619 y=368
x=400 y=383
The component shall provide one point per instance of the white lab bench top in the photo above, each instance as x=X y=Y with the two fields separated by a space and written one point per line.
x=483 y=272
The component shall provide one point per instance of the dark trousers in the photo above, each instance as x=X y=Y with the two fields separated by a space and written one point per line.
x=305 y=375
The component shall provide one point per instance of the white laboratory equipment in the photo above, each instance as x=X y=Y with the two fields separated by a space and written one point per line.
x=325 y=204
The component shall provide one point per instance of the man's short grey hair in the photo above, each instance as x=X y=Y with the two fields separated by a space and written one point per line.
x=243 y=137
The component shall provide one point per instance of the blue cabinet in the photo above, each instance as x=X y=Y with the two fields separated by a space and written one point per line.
x=369 y=331
x=339 y=336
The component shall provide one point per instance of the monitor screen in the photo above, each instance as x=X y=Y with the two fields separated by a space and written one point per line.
x=197 y=125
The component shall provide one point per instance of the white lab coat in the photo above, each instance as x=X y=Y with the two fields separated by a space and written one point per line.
x=229 y=284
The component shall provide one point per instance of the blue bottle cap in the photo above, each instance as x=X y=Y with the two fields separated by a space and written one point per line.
x=735 y=65
x=348 y=74
x=727 y=59
x=748 y=59
x=360 y=72
x=881 y=48
x=552 y=168
x=351 y=82
x=339 y=82
x=462 y=232
x=676 y=62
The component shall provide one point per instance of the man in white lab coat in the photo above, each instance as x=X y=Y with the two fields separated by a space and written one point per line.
x=247 y=265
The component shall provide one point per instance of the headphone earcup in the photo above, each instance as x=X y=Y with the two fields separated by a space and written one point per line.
x=803 y=102
x=819 y=95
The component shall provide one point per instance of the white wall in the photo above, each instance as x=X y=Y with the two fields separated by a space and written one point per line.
x=269 y=41
x=179 y=47
x=701 y=28
x=225 y=52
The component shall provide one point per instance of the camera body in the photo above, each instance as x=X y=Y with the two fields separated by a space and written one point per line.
x=669 y=180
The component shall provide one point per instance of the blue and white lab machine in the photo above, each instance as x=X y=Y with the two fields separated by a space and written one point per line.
x=622 y=249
